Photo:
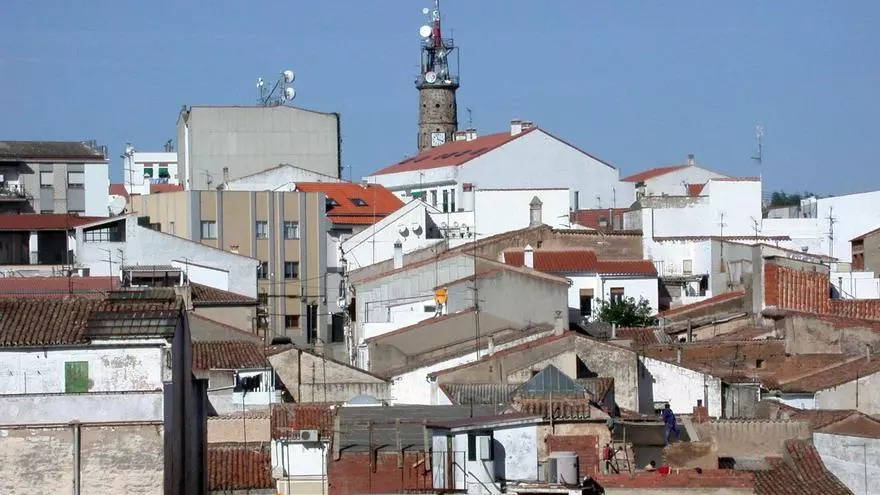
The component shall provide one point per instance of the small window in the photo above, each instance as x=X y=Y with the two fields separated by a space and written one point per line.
x=291 y=269
x=209 y=229
x=357 y=201
x=759 y=363
x=433 y=198
x=47 y=180
x=430 y=308
x=262 y=229
x=472 y=447
x=452 y=200
x=44 y=212
x=586 y=304
x=263 y=270
x=445 y=201
x=687 y=267
x=291 y=321
x=76 y=377
x=163 y=173
x=291 y=230
x=76 y=180
x=331 y=203
x=616 y=294
x=148 y=172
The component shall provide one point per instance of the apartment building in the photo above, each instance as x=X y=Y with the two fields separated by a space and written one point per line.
x=54 y=177
x=285 y=231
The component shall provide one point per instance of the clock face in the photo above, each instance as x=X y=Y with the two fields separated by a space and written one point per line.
x=438 y=138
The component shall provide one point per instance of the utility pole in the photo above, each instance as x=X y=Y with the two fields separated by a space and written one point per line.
x=831 y=221
x=756 y=227
x=721 y=224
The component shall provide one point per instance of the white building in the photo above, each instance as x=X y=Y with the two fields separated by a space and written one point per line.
x=141 y=169
x=682 y=388
x=850 y=449
x=674 y=180
x=592 y=280
x=524 y=157
x=239 y=375
x=279 y=178
x=105 y=246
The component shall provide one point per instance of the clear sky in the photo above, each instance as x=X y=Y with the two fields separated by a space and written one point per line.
x=636 y=83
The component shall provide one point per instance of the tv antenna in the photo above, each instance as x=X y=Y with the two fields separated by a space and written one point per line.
x=282 y=91
x=470 y=117
x=831 y=221
x=759 y=137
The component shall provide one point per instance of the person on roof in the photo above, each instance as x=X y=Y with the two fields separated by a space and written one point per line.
x=670 y=425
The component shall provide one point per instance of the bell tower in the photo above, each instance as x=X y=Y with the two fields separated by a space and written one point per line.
x=438 y=112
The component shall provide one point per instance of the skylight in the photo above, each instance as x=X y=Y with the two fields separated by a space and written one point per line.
x=357 y=201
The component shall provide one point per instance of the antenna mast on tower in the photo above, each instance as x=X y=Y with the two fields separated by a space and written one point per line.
x=437 y=83
x=281 y=92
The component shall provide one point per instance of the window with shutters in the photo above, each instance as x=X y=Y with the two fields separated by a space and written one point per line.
x=76 y=377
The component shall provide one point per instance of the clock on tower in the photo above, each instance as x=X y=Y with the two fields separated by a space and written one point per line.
x=437 y=139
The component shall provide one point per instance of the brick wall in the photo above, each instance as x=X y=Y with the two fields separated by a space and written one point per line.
x=586 y=446
x=807 y=290
x=354 y=473
x=683 y=481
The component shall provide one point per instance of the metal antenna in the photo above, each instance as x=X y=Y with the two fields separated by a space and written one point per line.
x=831 y=221
x=759 y=136
x=470 y=117
x=721 y=224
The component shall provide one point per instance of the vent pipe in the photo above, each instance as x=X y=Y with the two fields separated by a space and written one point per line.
x=490 y=345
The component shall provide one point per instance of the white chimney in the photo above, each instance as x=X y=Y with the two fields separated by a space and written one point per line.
x=528 y=257
x=471 y=134
x=691 y=160
x=490 y=345
x=515 y=127
x=526 y=125
x=558 y=324
x=678 y=355
x=467 y=197
x=535 y=212
x=459 y=136
x=398 y=255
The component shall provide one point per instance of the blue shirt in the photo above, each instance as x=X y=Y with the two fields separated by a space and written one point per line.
x=668 y=417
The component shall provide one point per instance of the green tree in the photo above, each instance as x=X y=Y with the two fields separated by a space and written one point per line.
x=627 y=312
x=782 y=198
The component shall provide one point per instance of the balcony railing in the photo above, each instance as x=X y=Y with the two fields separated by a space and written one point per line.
x=13 y=192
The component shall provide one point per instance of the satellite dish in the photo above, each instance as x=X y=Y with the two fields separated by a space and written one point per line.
x=116 y=205
x=431 y=77
x=425 y=31
x=426 y=10
x=289 y=93
x=401 y=229
x=259 y=83
x=289 y=76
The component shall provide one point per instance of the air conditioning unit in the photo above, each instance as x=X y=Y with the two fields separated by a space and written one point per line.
x=304 y=435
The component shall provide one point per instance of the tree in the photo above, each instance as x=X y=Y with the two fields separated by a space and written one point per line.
x=627 y=312
x=781 y=198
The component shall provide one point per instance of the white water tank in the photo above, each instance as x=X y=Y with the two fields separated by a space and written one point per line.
x=562 y=468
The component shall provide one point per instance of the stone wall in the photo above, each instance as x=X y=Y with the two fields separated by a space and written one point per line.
x=751 y=438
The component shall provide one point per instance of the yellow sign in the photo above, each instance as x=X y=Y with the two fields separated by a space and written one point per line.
x=440 y=296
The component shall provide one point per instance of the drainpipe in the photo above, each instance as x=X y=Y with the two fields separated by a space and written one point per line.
x=75 y=427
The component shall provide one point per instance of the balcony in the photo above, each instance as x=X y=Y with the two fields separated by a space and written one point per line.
x=13 y=193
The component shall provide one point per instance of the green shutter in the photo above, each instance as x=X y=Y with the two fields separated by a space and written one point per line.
x=76 y=377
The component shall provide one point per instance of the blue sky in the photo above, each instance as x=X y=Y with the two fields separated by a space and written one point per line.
x=638 y=84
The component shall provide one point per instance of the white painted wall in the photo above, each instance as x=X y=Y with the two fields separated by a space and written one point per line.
x=804 y=232
x=88 y=408
x=862 y=394
x=503 y=210
x=674 y=183
x=797 y=401
x=133 y=170
x=856 y=285
x=144 y=246
x=300 y=459
x=852 y=219
x=97 y=186
x=680 y=387
x=400 y=316
x=669 y=256
x=520 y=460
x=202 y=274
x=635 y=287
x=845 y=457
x=280 y=178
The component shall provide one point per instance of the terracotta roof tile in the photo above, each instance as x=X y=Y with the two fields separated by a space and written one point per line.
x=453 y=153
x=44 y=221
x=638 y=335
x=653 y=172
x=231 y=355
x=854 y=425
x=560 y=409
x=695 y=189
x=204 y=295
x=165 y=188
x=727 y=238
x=290 y=416
x=580 y=261
x=354 y=204
x=49 y=150
x=743 y=334
x=800 y=471
x=511 y=350
x=834 y=375
x=708 y=481
x=686 y=308
x=239 y=467
x=593 y=218
x=119 y=190
x=816 y=418
x=56 y=287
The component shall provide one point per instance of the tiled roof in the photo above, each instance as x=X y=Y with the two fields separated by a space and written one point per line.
x=203 y=295
x=580 y=261
x=56 y=287
x=744 y=333
x=290 y=416
x=705 y=303
x=44 y=221
x=652 y=173
x=119 y=190
x=592 y=218
x=479 y=393
x=800 y=471
x=562 y=410
x=638 y=335
x=453 y=153
x=695 y=189
x=510 y=350
x=854 y=425
x=230 y=355
x=354 y=204
x=725 y=238
x=45 y=150
x=165 y=188
x=816 y=418
x=239 y=467
x=49 y=322
x=207 y=330
x=834 y=375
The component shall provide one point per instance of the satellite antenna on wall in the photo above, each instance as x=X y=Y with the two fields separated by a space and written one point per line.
x=116 y=205
x=281 y=91
x=425 y=31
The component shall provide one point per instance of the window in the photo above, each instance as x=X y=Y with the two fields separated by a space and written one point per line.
x=291 y=230
x=262 y=229
x=291 y=269
x=148 y=172
x=47 y=180
x=209 y=229
x=76 y=377
x=112 y=233
x=687 y=267
x=586 y=302
x=759 y=363
x=445 y=201
x=357 y=201
x=47 y=211
x=76 y=180
x=616 y=294
x=452 y=200
x=263 y=270
x=331 y=203
x=163 y=173
x=433 y=198
x=291 y=321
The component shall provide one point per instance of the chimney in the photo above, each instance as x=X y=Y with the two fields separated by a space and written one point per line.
x=459 y=136
x=467 y=197
x=526 y=125
x=535 y=212
x=691 y=160
x=490 y=345
x=471 y=133
x=398 y=255
x=528 y=257
x=558 y=324
x=515 y=127
x=678 y=355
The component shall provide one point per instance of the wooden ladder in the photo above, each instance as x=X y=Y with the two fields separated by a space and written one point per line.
x=622 y=461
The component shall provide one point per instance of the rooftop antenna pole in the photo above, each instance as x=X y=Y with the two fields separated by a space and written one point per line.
x=721 y=224
x=759 y=157
x=470 y=117
x=281 y=93
x=831 y=221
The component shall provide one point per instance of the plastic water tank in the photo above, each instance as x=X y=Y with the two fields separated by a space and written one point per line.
x=563 y=468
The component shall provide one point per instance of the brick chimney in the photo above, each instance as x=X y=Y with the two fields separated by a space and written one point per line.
x=701 y=413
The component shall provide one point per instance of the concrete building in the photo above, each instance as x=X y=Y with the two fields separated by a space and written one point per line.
x=282 y=177
x=216 y=144
x=529 y=157
x=54 y=177
x=284 y=231
x=673 y=180
x=850 y=449
x=866 y=251
x=103 y=401
x=313 y=378
x=239 y=376
x=144 y=169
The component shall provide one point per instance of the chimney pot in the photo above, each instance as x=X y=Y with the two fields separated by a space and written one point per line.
x=515 y=127
x=529 y=257
x=691 y=160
